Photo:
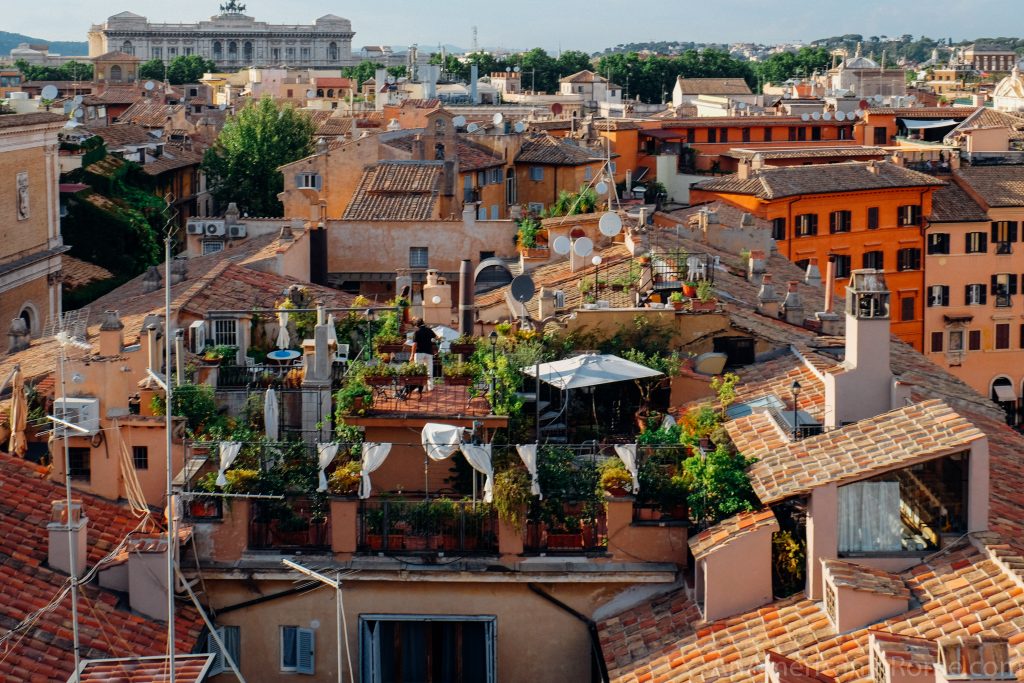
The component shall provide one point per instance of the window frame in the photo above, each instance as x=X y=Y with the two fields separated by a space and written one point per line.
x=975 y=294
x=1001 y=337
x=221 y=335
x=872 y=218
x=904 y=301
x=908 y=215
x=779 y=228
x=871 y=255
x=974 y=340
x=908 y=258
x=976 y=243
x=1004 y=234
x=938 y=296
x=140 y=457
x=415 y=252
x=537 y=174
x=80 y=463
x=369 y=656
x=843 y=265
x=937 y=243
x=301 y=635
x=233 y=642
x=840 y=221
x=806 y=225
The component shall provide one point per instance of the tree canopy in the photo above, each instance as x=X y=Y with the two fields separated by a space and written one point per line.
x=242 y=164
x=181 y=69
x=652 y=78
x=68 y=71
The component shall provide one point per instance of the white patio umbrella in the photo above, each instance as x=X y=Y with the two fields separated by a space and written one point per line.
x=445 y=335
x=588 y=370
x=270 y=415
x=332 y=332
x=283 y=338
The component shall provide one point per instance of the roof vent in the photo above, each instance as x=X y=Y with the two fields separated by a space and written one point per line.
x=857 y=596
x=977 y=658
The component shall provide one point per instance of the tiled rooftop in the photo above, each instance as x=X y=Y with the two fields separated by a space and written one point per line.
x=794 y=672
x=149 y=114
x=998 y=186
x=551 y=151
x=187 y=669
x=396 y=190
x=950 y=204
x=729 y=530
x=121 y=134
x=78 y=273
x=712 y=86
x=809 y=153
x=865 y=579
x=905 y=651
x=856 y=451
x=472 y=156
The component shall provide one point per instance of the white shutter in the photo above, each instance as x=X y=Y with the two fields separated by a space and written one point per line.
x=304 y=651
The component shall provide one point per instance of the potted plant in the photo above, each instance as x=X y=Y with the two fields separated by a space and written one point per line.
x=379 y=375
x=527 y=239
x=459 y=374
x=705 y=298
x=689 y=288
x=567 y=535
x=214 y=355
x=388 y=343
x=412 y=374
x=201 y=507
x=464 y=345
x=615 y=480
x=345 y=479
x=672 y=496
x=355 y=398
x=379 y=538
x=676 y=299
x=511 y=495
x=444 y=517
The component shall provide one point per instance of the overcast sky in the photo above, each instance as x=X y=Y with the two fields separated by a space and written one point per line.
x=589 y=25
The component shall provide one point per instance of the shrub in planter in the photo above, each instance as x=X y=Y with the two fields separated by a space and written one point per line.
x=355 y=398
x=459 y=374
x=465 y=345
x=412 y=373
x=388 y=343
x=511 y=494
x=242 y=481
x=379 y=374
x=615 y=480
x=344 y=480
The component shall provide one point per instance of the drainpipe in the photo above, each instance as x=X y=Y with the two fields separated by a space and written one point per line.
x=830 y=282
x=595 y=641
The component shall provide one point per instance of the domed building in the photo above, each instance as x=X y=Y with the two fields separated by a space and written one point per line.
x=1009 y=92
x=864 y=77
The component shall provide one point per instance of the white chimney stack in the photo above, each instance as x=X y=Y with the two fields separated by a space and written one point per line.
x=63 y=556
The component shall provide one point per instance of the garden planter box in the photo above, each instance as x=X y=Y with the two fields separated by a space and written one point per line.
x=463 y=349
x=458 y=381
x=390 y=348
x=565 y=541
x=416 y=543
x=534 y=252
x=378 y=381
x=413 y=380
x=703 y=306
x=376 y=541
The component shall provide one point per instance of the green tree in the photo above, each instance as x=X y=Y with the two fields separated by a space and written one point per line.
x=242 y=165
x=719 y=486
x=571 y=61
x=154 y=69
x=362 y=72
x=69 y=71
x=188 y=69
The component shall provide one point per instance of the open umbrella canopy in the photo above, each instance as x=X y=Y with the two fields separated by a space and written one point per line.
x=590 y=369
x=445 y=336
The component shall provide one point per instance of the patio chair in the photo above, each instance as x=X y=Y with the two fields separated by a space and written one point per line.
x=341 y=355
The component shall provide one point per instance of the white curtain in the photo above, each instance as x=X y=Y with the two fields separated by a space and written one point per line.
x=325 y=453
x=479 y=458
x=869 y=517
x=528 y=454
x=228 y=453
x=373 y=457
x=270 y=414
x=283 y=339
x=440 y=441
x=627 y=454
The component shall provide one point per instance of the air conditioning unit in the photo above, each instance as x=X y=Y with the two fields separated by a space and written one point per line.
x=81 y=412
x=197 y=336
x=213 y=228
x=195 y=226
x=236 y=230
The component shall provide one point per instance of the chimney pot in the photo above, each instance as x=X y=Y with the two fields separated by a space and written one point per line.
x=61 y=557
x=111 y=334
x=152 y=280
x=17 y=335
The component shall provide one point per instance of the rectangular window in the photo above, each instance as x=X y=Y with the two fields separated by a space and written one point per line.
x=938 y=243
x=908 y=215
x=907 y=305
x=418 y=257
x=746 y=135
x=778 y=228
x=454 y=649
x=309 y=180
x=974 y=340
x=873 y=218
x=724 y=137
x=956 y=340
x=156 y=53
x=289 y=53
x=842 y=265
x=767 y=134
x=305 y=53
x=977 y=243
x=938 y=295
x=481 y=178
x=712 y=135
x=537 y=173
x=140 y=457
x=511 y=194
x=613 y=167
x=588 y=173
x=494 y=212
x=874 y=259
x=212 y=246
x=974 y=295
x=1002 y=336
x=79 y=458
x=297 y=651
x=172 y=52
x=806 y=224
x=937 y=342
x=225 y=332
x=231 y=637
x=792 y=133
x=816 y=133
x=839 y=221
x=801 y=133
x=1004 y=234
x=691 y=135
x=536 y=208
x=908 y=259
x=1003 y=288
x=484 y=255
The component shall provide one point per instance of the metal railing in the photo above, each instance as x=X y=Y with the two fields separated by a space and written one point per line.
x=289 y=524
x=437 y=525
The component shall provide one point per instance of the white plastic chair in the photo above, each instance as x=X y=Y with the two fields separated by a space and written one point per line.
x=341 y=355
x=697 y=268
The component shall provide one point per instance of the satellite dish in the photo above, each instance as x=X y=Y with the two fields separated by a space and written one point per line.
x=827 y=116
x=520 y=127
x=741 y=106
x=860 y=113
x=523 y=288
x=50 y=92
x=561 y=245
x=815 y=115
x=556 y=108
x=517 y=69
x=390 y=79
x=601 y=187
x=459 y=122
x=878 y=98
x=840 y=116
x=223 y=106
x=497 y=119
x=311 y=93
x=864 y=104
x=805 y=117
x=583 y=246
x=577 y=233
x=79 y=113
x=149 y=85
x=78 y=99
x=472 y=128
x=610 y=224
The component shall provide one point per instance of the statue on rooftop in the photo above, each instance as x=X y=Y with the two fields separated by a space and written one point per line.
x=232 y=7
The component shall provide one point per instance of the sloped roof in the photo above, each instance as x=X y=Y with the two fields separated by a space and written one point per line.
x=28 y=584
x=78 y=273
x=950 y=204
x=33 y=119
x=713 y=86
x=121 y=134
x=729 y=530
x=149 y=114
x=174 y=157
x=808 y=153
x=787 y=181
x=585 y=76
x=187 y=669
x=865 y=579
x=986 y=117
x=551 y=151
x=997 y=186
x=116 y=56
x=472 y=155
x=396 y=190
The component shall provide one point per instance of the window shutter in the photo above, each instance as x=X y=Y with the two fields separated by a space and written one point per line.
x=945 y=295
x=833 y=221
x=967 y=294
x=995 y=284
x=967 y=243
x=1012 y=231
x=319 y=182
x=995 y=232
x=218 y=665
x=1012 y=289
x=984 y=295
x=984 y=242
x=304 y=653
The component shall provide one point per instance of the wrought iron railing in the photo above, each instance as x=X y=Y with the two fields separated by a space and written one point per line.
x=436 y=525
x=293 y=523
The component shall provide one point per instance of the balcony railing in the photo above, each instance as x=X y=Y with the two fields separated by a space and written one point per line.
x=294 y=523
x=576 y=530
x=437 y=525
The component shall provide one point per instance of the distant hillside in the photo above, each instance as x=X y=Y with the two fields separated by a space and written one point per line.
x=9 y=41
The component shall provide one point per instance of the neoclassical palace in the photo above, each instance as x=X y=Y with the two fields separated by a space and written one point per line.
x=231 y=39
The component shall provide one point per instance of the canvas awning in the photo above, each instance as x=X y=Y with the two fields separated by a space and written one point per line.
x=588 y=370
x=917 y=124
x=1004 y=394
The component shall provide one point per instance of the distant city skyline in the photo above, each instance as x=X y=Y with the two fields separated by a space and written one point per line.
x=589 y=26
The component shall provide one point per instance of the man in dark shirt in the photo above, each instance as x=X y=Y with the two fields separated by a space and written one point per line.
x=423 y=351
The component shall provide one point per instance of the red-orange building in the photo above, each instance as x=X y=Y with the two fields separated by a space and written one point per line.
x=868 y=215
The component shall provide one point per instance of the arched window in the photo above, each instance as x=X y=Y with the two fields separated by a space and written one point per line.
x=218 y=50
x=247 y=50
x=1003 y=393
x=115 y=73
x=127 y=47
x=319 y=92
x=29 y=318
x=330 y=92
x=232 y=50
x=332 y=51
x=439 y=152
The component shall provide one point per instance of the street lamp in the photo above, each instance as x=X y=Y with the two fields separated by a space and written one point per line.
x=794 y=389
x=597 y=265
x=494 y=367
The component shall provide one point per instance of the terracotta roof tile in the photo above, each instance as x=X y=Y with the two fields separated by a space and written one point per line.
x=865 y=579
x=472 y=156
x=187 y=669
x=78 y=273
x=902 y=651
x=396 y=190
x=712 y=86
x=790 y=671
x=950 y=204
x=552 y=151
x=121 y=134
x=729 y=530
x=34 y=119
x=809 y=153
x=996 y=185
x=149 y=114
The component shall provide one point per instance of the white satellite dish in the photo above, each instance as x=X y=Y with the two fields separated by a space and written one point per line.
x=741 y=106
x=223 y=106
x=601 y=187
x=827 y=116
x=815 y=115
x=561 y=245
x=583 y=246
x=79 y=113
x=390 y=79
x=878 y=98
x=497 y=119
x=840 y=116
x=860 y=113
x=610 y=224
x=472 y=128
x=311 y=93
x=520 y=127
x=50 y=92
x=78 y=99
x=805 y=117
x=149 y=85
x=459 y=122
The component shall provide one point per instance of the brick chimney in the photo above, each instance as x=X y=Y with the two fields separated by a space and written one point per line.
x=111 y=334
x=62 y=556
x=147 y=576
x=767 y=299
x=152 y=281
x=896 y=658
x=793 y=306
x=813 y=275
x=743 y=170
x=756 y=266
x=17 y=335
